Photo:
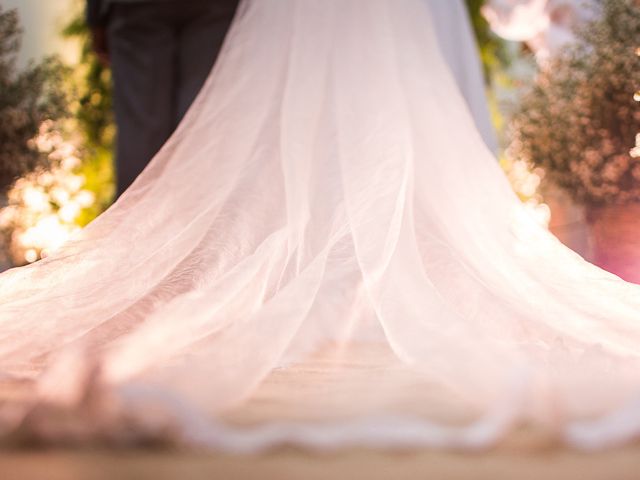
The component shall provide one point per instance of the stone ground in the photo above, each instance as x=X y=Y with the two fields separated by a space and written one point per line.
x=290 y=464
x=523 y=456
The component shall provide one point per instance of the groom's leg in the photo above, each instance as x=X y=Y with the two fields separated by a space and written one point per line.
x=200 y=40
x=143 y=51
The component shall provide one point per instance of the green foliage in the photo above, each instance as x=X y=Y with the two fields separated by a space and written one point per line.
x=27 y=98
x=579 y=119
x=94 y=115
x=497 y=56
x=94 y=110
x=493 y=52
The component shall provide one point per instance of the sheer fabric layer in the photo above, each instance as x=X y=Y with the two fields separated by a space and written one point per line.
x=325 y=253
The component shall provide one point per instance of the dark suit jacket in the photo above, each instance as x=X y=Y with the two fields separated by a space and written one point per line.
x=97 y=10
x=95 y=15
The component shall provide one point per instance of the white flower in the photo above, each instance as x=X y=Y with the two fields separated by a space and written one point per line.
x=70 y=162
x=35 y=199
x=7 y=216
x=30 y=255
x=45 y=179
x=69 y=212
x=85 y=198
x=59 y=195
x=73 y=182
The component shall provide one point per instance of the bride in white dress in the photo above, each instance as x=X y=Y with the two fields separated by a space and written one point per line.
x=327 y=254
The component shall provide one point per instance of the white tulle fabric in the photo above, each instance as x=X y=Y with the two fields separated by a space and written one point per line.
x=326 y=254
x=457 y=43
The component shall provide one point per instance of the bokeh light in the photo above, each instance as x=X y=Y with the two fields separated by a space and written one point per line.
x=44 y=207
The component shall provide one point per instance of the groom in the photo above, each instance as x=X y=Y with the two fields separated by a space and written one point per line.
x=161 y=52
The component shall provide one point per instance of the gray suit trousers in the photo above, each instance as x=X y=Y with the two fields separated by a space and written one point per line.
x=161 y=54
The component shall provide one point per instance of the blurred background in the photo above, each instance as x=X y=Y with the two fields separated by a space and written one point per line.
x=56 y=127
x=566 y=113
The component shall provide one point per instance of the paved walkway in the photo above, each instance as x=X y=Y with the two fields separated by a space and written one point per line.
x=523 y=456
x=293 y=465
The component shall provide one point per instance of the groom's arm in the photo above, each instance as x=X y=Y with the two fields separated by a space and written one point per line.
x=96 y=22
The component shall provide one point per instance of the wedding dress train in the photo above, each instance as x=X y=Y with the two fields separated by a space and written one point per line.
x=325 y=253
x=457 y=43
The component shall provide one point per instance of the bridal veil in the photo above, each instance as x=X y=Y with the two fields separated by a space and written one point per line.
x=325 y=253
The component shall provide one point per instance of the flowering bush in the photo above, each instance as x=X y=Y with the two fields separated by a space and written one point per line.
x=44 y=206
x=525 y=182
x=91 y=108
x=26 y=99
x=56 y=146
x=579 y=119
